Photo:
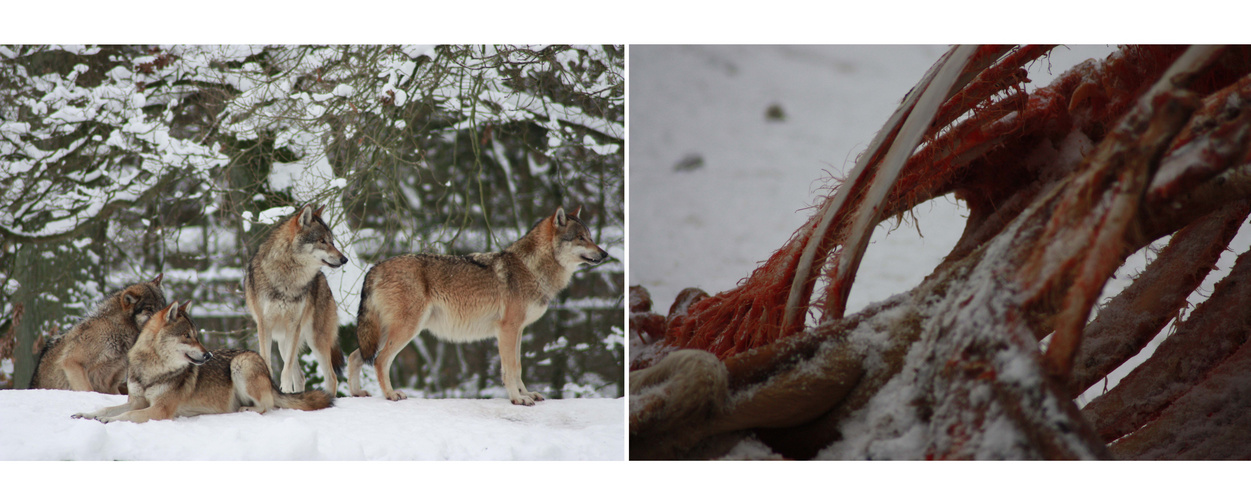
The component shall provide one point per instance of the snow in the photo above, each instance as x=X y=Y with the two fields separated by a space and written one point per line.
x=36 y=425
x=283 y=175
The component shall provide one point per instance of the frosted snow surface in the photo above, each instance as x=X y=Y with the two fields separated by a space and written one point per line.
x=36 y=425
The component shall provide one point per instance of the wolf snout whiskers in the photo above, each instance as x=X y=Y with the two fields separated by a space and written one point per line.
x=597 y=258
x=199 y=361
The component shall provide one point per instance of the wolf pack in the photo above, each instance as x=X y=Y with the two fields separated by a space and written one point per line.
x=138 y=343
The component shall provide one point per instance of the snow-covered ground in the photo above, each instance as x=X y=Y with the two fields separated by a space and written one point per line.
x=716 y=185
x=36 y=425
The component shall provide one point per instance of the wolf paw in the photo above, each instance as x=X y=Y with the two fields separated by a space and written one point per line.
x=535 y=395
x=396 y=396
x=524 y=400
x=360 y=393
x=82 y=415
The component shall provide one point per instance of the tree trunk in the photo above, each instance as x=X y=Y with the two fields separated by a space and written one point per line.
x=37 y=274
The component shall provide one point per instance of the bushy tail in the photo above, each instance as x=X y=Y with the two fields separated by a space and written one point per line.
x=367 y=323
x=315 y=399
x=47 y=346
x=336 y=360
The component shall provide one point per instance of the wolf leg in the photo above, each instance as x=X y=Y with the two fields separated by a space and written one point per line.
x=355 y=363
x=265 y=347
x=154 y=412
x=511 y=359
x=324 y=330
x=382 y=363
x=394 y=333
x=327 y=370
x=511 y=368
x=521 y=383
x=509 y=340
x=132 y=402
x=253 y=387
x=75 y=373
x=289 y=348
x=325 y=336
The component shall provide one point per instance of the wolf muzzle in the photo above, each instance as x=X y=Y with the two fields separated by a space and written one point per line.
x=342 y=261
x=597 y=259
x=207 y=356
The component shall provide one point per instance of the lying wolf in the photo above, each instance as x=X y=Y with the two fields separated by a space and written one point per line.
x=172 y=375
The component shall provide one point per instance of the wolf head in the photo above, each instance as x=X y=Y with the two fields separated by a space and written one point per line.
x=313 y=241
x=173 y=335
x=141 y=300
x=573 y=240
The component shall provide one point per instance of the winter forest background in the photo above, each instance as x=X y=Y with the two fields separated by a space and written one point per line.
x=121 y=162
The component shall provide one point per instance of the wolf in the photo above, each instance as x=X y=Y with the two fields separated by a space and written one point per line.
x=172 y=375
x=92 y=355
x=290 y=300
x=467 y=298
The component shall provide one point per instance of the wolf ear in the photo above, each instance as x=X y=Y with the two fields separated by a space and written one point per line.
x=183 y=307
x=129 y=299
x=306 y=216
x=560 y=218
x=318 y=211
x=157 y=280
x=171 y=312
x=577 y=212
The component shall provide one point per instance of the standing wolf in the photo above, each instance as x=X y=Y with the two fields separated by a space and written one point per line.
x=92 y=355
x=172 y=375
x=290 y=300
x=468 y=298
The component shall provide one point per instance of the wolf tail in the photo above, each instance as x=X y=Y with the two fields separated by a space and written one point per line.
x=315 y=399
x=336 y=360
x=47 y=346
x=367 y=328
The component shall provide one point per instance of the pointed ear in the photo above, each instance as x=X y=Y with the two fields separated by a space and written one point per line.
x=129 y=299
x=157 y=280
x=183 y=307
x=577 y=212
x=171 y=312
x=560 y=218
x=318 y=211
x=306 y=216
